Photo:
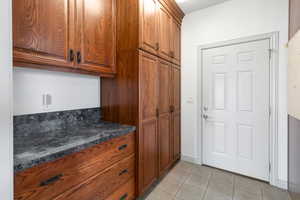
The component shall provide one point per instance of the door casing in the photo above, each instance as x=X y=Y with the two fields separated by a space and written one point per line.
x=274 y=69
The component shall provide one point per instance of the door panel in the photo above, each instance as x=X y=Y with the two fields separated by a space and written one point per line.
x=176 y=88
x=165 y=38
x=148 y=136
x=176 y=135
x=164 y=101
x=165 y=86
x=164 y=141
x=96 y=21
x=148 y=85
x=149 y=25
x=149 y=153
x=38 y=43
x=176 y=42
x=236 y=103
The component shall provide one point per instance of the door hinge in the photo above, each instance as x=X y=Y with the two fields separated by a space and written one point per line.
x=270 y=167
x=270 y=111
x=270 y=53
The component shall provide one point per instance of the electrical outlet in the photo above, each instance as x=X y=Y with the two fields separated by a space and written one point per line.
x=47 y=101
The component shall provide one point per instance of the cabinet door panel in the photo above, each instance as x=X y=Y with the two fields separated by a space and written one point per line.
x=148 y=135
x=149 y=154
x=176 y=89
x=176 y=49
x=164 y=142
x=43 y=31
x=149 y=25
x=148 y=85
x=164 y=33
x=176 y=136
x=165 y=86
x=96 y=35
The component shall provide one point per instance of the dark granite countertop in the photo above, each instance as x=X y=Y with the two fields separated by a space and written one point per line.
x=34 y=148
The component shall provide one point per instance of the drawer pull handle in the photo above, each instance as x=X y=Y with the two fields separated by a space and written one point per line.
x=124 y=146
x=51 y=180
x=124 y=197
x=123 y=172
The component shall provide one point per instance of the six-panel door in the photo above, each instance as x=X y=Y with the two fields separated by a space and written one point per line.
x=148 y=133
x=43 y=32
x=96 y=35
x=149 y=25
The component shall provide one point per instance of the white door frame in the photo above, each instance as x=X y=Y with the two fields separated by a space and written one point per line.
x=274 y=68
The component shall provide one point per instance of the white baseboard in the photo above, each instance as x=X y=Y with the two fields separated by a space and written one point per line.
x=281 y=184
x=190 y=159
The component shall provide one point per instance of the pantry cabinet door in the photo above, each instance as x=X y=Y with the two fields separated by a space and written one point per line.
x=165 y=35
x=149 y=25
x=148 y=131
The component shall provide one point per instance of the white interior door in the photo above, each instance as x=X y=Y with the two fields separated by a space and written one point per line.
x=236 y=108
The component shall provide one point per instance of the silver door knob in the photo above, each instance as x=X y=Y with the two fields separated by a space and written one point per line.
x=205 y=108
x=205 y=117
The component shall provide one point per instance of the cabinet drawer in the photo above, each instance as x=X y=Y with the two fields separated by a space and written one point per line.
x=48 y=180
x=100 y=186
x=125 y=192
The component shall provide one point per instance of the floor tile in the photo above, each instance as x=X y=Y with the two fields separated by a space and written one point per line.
x=187 y=181
x=244 y=195
x=272 y=193
x=248 y=185
x=158 y=194
x=198 y=180
x=170 y=186
x=202 y=170
x=190 y=192
x=214 y=195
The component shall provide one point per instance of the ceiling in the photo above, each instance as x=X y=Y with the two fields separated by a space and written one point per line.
x=192 y=5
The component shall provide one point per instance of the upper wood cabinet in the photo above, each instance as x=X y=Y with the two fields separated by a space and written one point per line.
x=43 y=32
x=159 y=30
x=65 y=35
x=165 y=36
x=95 y=39
x=149 y=26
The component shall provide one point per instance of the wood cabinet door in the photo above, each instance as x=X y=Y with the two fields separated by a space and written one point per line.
x=149 y=25
x=96 y=35
x=176 y=41
x=165 y=35
x=176 y=88
x=176 y=127
x=164 y=120
x=176 y=135
x=43 y=32
x=148 y=132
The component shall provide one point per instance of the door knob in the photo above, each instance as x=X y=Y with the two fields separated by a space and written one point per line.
x=205 y=108
x=205 y=116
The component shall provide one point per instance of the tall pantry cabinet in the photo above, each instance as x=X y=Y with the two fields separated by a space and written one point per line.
x=146 y=89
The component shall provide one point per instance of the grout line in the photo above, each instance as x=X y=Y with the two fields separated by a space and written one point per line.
x=206 y=190
x=234 y=185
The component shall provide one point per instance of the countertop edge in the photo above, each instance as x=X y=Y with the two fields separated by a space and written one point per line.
x=20 y=167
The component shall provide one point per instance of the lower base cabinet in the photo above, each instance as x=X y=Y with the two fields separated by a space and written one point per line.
x=104 y=171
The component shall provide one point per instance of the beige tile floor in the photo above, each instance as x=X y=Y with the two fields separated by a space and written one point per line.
x=187 y=181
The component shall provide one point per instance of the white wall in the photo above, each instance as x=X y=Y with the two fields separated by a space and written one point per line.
x=69 y=91
x=6 y=140
x=231 y=20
